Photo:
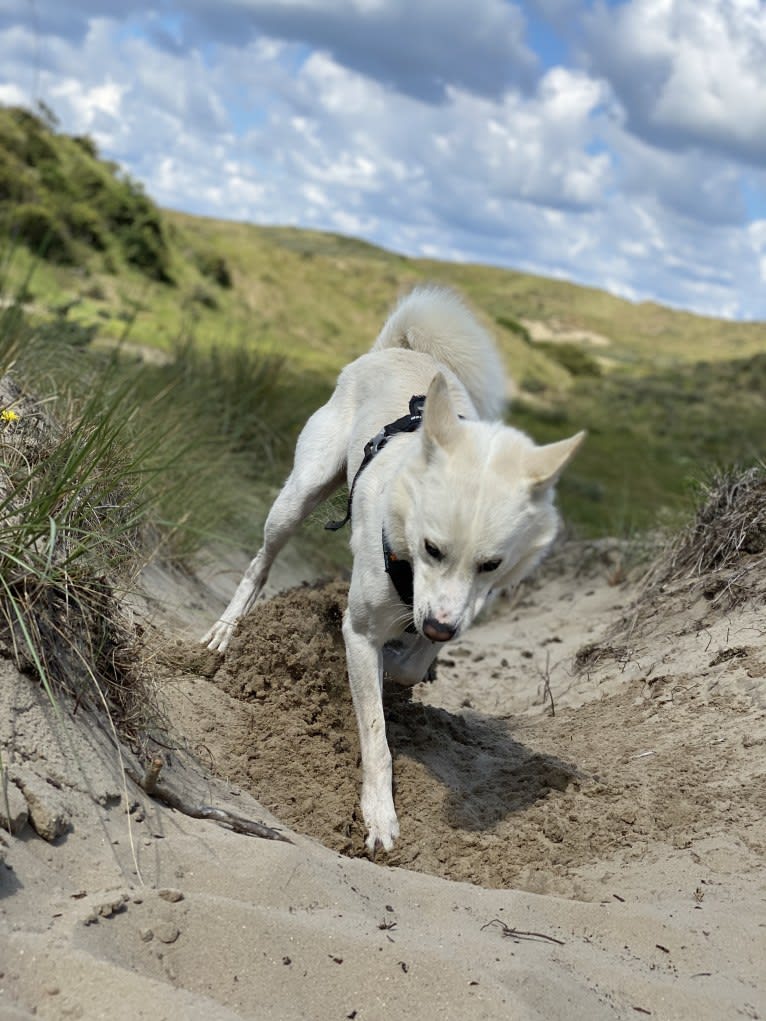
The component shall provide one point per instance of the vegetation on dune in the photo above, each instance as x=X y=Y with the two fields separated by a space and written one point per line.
x=724 y=543
x=104 y=462
x=73 y=497
x=63 y=202
x=651 y=438
x=232 y=306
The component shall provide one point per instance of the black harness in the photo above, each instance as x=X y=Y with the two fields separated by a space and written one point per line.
x=406 y=424
x=399 y=571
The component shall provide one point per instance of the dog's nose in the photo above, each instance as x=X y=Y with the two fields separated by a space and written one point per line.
x=436 y=631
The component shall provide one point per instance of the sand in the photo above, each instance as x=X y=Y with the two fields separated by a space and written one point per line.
x=605 y=860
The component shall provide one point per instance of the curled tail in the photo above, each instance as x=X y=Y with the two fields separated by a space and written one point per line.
x=434 y=321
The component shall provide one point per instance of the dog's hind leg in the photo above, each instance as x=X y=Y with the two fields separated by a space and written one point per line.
x=320 y=457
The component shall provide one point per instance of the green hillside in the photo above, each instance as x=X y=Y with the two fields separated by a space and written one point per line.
x=664 y=394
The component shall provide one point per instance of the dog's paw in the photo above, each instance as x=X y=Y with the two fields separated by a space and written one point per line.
x=382 y=824
x=218 y=637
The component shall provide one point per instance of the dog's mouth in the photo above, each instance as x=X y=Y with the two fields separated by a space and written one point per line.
x=436 y=631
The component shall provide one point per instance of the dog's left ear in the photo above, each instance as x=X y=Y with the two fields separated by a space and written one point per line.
x=440 y=421
x=543 y=465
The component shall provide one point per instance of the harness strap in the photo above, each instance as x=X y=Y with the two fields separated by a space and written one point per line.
x=399 y=571
x=409 y=423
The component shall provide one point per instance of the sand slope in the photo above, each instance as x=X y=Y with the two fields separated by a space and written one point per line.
x=603 y=862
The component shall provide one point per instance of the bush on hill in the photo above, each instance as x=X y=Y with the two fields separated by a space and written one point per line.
x=65 y=203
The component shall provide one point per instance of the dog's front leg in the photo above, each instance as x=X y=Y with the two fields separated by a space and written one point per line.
x=220 y=634
x=365 y=674
x=320 y=455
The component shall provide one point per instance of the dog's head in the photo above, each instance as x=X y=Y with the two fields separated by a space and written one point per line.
x=475 y=506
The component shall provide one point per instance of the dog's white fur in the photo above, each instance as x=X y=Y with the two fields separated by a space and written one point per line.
x=477 y=491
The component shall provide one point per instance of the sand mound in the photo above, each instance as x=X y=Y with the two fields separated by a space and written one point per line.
x=524 y=800
x=457 y=777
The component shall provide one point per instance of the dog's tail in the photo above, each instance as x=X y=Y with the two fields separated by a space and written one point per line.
x=434 y=321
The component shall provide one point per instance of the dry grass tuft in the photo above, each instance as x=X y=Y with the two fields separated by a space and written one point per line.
x=73 y=638
x=726 y=539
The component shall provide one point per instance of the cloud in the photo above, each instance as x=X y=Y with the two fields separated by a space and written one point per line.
x=528 y=148
x=687 y=73
x=706 y=188
x=415 y=48
x=12 y=95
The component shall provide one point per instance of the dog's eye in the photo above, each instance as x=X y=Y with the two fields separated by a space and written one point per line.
x=433 y=551
x=489 y=565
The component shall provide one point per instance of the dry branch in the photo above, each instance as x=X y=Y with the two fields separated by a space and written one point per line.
x=519 y=934
x=239 y=824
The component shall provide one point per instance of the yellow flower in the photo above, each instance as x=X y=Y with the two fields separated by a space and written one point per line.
x=7 y=415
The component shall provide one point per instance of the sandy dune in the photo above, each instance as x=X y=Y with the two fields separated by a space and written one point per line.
x=606 y=861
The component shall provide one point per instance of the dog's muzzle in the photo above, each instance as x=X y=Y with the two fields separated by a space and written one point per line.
x=435 y=631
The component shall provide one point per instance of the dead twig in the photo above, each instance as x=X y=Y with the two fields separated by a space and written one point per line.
x=239 y=824
x=151 y=775
x=545 y=676
x=520 y=934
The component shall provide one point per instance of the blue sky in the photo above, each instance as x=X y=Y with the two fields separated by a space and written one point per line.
x=621 y=145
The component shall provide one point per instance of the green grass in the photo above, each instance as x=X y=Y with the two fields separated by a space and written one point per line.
x=650 y=439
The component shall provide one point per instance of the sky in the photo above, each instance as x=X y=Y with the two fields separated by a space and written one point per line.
x=616 y=144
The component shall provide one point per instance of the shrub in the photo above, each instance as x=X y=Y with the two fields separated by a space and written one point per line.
x=144 y=247
x=71 y=199
x=200 y=295
x=533 y=385
x=86 y=225
x=214 y=267
x=95 y=291
x=92 y=183
x=575 y=359
x=56 y=180
x=86 y=143
x=11 y=183
x=38 y=227
x=514 y=326
x=32 y=142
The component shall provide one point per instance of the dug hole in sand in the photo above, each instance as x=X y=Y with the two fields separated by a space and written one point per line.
x=601 y=861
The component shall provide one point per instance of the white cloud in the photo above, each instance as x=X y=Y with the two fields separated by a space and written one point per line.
x=688 y=72
x=88 y=103
x=12 y=95
x=701 y=186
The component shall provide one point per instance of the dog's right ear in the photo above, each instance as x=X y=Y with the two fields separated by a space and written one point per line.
x=440 y=420
x=544 y=464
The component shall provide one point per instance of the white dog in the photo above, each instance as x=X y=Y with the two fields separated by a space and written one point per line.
x=445 y=509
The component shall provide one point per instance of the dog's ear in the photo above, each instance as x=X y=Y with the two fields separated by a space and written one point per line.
x=440 y=420
x=543 y=465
